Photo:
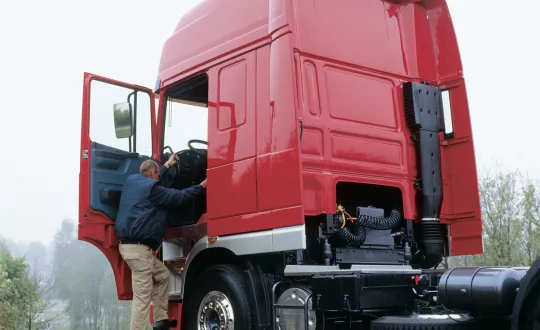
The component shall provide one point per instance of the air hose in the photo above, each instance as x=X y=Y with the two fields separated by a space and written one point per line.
x=354 y=235
x=381 y=223
x=353 y=239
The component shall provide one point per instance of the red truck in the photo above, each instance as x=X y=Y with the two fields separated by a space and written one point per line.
x=340 y=163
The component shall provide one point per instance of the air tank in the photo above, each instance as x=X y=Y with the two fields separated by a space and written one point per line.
x=479 y=290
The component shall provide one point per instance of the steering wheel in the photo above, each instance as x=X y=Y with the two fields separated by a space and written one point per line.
x=195 y=150
x=176 y=165
x=168 y=147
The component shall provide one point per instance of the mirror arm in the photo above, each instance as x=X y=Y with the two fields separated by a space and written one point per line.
x=134 y=120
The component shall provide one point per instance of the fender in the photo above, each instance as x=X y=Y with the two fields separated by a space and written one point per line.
x=260 y=291
x=249 y=244
x=243 y=249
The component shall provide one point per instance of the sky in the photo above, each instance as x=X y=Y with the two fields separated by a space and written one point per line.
x=45 y=46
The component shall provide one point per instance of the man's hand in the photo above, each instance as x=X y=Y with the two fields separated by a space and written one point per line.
x=172 y=160
x=203 y=183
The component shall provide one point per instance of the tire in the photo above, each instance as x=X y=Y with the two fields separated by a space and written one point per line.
x=411 y=323
x=227 y=285
x=529 y=316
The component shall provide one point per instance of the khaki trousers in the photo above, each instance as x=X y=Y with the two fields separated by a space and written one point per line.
x=150 y=282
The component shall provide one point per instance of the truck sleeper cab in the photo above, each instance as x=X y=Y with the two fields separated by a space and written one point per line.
x=339 y=158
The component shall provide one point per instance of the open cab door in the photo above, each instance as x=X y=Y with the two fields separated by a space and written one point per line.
x=117 y=135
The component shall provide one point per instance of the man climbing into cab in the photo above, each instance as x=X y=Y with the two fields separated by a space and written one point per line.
x=140 y=228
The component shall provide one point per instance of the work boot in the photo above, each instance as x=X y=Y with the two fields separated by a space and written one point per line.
x=165 y=324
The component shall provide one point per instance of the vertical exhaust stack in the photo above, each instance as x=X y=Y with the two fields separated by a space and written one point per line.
x=424 y=116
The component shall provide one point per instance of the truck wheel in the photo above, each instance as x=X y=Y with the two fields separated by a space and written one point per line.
x=445 y=323
x=218 y=299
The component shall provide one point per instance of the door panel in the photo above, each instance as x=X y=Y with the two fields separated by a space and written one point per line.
x=117 y=135
x=109 y=168
x=253 y=150
x=231 y=150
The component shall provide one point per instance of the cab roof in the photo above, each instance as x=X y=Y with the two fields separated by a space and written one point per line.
x=210 y=29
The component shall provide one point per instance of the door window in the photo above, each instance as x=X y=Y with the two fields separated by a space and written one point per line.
x=120 y=117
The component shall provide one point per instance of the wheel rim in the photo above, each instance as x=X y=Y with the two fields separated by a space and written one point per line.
x=215 y=312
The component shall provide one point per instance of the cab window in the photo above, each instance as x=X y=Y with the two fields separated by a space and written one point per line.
x=186 y=114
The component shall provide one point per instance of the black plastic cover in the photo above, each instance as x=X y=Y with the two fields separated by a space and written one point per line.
x=424 y=115
x=356 y=292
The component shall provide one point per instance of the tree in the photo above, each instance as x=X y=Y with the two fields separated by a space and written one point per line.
x=37 y=256
x=510 y=205
x=531 y=222
x=17 y=294
x=37 y=311
x=500 y=200
x=62 y=256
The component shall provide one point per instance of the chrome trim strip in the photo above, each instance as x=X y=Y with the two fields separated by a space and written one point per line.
x=307 y=270
x=431 y=219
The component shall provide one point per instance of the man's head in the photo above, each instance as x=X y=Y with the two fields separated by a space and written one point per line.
x=150 y=169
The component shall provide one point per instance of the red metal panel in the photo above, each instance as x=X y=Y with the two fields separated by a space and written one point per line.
x=234 y=189
x=235 y=119
x=425 y=52
x=210 y=30
x=231 y=146
x=263 y=112
x=284 y=173
x=354 y=59
x=443 y=38
x=256 y=221
x=360 y=98
x=278 y=181
x=353 y=123
x=461 y=204
x=363 y=33
x=404 y=2
x=175 y=313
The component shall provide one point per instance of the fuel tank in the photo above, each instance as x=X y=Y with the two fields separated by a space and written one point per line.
x=480 y=290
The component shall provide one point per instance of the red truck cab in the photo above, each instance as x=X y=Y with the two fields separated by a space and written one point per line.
x=305 y=106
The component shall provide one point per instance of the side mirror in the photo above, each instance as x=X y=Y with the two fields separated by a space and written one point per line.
x=123 y=123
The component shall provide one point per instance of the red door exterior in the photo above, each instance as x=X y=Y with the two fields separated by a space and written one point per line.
x=106 y=161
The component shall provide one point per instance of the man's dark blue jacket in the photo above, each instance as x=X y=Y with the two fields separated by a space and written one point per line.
x=143 y=209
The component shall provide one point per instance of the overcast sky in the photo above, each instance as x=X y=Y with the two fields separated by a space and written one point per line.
x=45 y=46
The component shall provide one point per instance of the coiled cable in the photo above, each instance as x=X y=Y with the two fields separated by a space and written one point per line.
x=353 y=239
x=354 y=234
x=380 y=223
